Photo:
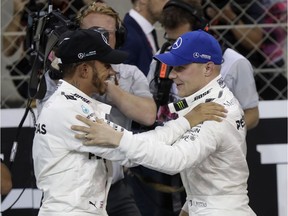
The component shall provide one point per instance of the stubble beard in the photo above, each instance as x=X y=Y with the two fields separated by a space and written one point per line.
x=98 y=83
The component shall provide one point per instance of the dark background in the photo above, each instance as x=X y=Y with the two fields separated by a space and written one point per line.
x=262 y=183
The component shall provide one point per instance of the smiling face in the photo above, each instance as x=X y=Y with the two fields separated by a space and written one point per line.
x=100 y=73
x=188 y=78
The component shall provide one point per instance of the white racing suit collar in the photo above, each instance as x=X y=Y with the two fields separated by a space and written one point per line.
x=208 y=93
x=99 y=107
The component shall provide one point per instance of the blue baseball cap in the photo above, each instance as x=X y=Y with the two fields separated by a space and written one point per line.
x=193 y=47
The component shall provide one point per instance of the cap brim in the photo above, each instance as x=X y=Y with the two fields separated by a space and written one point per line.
x=114 y=57
x=171 y=59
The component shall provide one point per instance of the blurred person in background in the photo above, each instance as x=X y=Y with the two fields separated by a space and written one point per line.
x=142 y=40
x=240 y=31
x=272 y=83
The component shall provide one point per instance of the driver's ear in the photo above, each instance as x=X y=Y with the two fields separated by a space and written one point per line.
x=83 y=70
x=209 y=66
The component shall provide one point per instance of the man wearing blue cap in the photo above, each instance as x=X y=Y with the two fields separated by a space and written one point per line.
x=211 y=156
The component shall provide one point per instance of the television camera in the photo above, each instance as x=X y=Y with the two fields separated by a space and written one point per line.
x=43 y=32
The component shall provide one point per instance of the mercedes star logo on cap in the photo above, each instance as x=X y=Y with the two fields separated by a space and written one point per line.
x=196 y=55
x=177 y=44
x=81 y=55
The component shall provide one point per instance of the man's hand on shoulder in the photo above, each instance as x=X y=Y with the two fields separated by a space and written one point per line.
x=206 y=111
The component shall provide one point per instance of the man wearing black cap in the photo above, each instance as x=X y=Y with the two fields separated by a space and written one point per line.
x=74 y=181
x=211 y=156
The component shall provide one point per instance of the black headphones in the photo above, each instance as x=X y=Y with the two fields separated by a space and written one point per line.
x=203 y=23
x=121 y=31
x=161 y=79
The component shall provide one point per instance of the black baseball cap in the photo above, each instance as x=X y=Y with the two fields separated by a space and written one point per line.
x=86 y=45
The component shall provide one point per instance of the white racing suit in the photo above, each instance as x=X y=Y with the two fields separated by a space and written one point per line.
x=74 y=181
x=211 y=156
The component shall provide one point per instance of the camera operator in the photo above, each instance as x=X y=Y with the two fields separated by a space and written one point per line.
x=14 y=35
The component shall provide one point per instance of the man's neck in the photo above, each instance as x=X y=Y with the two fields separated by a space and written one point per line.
x=78 y=84
x=145 y=15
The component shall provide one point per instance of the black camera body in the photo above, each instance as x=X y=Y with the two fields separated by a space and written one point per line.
x=42 y=26
x=43 y=32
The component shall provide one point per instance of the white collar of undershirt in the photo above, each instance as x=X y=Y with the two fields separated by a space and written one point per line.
x=146 y=26
x=211 y=91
